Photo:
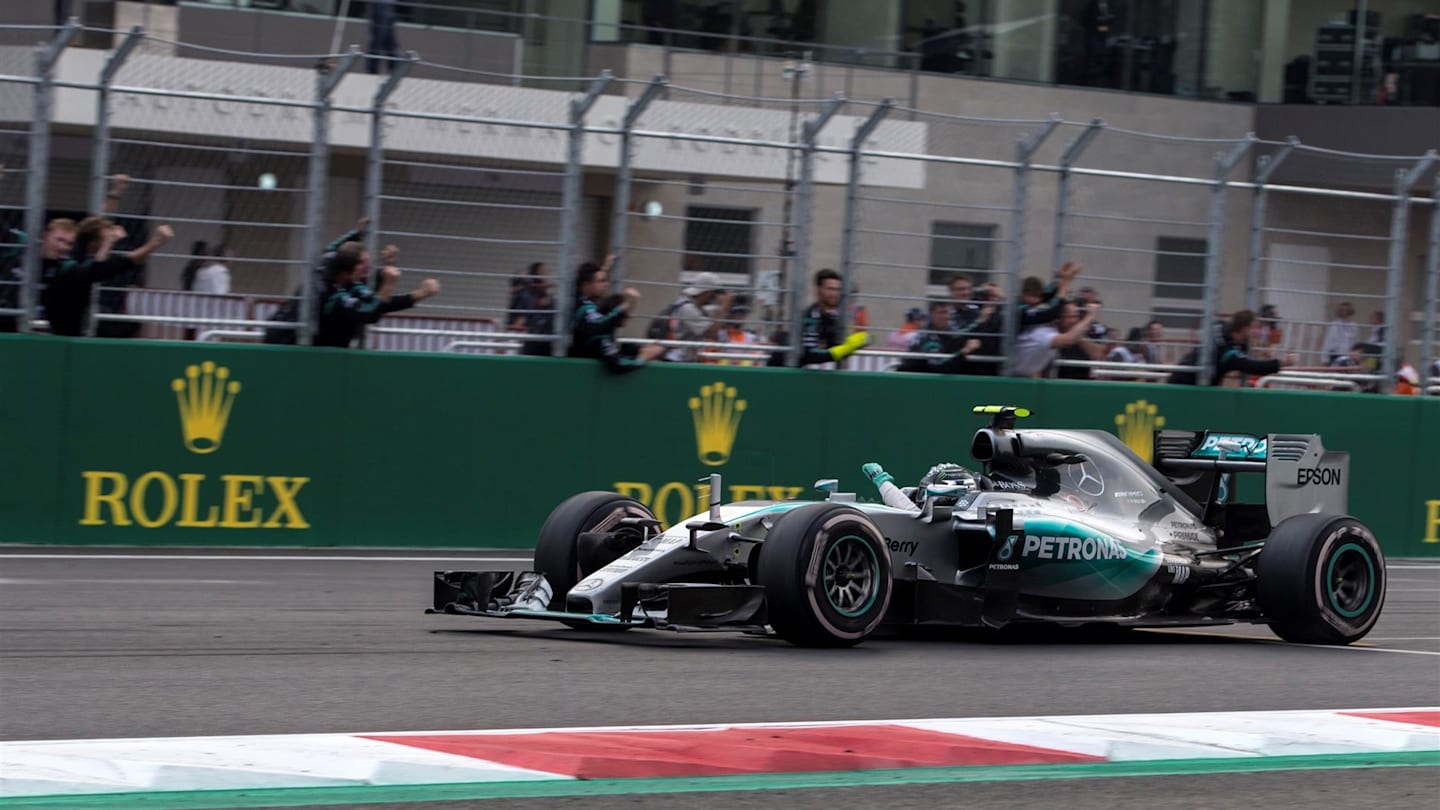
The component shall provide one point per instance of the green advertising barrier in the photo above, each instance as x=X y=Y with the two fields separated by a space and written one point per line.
x=133 y=442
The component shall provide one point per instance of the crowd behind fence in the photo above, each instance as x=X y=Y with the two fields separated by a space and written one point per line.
x=258 y=163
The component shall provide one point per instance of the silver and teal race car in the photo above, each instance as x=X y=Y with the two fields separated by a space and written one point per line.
x=1049 y=526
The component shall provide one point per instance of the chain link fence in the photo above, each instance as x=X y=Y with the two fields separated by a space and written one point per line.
x=16 y=113
x=501 y=187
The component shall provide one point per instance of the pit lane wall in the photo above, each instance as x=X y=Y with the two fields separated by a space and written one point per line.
x=132 y=442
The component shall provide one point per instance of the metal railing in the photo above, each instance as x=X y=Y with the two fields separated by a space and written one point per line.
x=475 y=183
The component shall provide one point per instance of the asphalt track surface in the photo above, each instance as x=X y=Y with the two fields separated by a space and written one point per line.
x=150 y=643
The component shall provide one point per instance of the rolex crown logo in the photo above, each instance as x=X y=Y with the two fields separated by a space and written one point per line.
x=717 y=419
x=1136 y=428
x=205 y=395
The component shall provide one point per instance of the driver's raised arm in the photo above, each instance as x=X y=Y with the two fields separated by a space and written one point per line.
x=889 y=493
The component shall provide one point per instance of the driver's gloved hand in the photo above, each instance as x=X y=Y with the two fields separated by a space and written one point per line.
x=852 y=344
x=876 y=474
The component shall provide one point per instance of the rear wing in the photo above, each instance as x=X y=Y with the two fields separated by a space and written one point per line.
x=1301 y=476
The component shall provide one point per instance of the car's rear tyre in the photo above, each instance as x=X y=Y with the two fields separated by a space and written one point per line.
x=557 y=546
x=827 y=576
x=1320 y=579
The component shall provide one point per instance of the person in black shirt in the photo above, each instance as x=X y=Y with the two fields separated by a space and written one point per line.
x=348 y=303
x=950 y=345
x=66 y=297
x=532 y=310
x=820 y=340
x=598 y=315
x=1231 y=353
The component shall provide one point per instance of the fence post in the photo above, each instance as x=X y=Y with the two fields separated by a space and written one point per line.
x=326 y=79
x=1215 y=249
x=1062 y=190
x=804 y=199
x=852 y=205
x=37 y=178
x=1267 y=164
x=1395 y=279
x=375 y=155
x=570 y=214
x=1025 y=149
x=375 y=161
x=620 y=233
x=100 y=154
x=1432 y=295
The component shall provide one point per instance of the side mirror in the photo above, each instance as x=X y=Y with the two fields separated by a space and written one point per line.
x=828 y=485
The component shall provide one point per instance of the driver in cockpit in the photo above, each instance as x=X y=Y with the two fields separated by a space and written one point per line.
x=911 y=498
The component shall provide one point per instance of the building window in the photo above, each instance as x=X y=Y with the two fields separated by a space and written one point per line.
x=720 y=240
x=1179 y=281
x=961 y=246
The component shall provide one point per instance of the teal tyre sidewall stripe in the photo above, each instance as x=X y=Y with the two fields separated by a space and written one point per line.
x=874 y=576
x=1369 y=582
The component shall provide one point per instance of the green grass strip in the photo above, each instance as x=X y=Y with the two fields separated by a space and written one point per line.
x=376 y=794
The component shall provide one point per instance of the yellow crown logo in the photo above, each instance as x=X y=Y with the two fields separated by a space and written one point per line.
x=1136 y=428
x=205 y=399
x=717 y=419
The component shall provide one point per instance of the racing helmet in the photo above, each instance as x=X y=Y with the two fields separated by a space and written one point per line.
x=947 y=473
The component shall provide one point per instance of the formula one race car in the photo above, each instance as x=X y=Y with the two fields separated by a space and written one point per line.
x=1058 y=526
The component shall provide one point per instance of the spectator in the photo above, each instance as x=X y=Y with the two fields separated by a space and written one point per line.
x=1156 y=349
x=199 y=257
x=820 y=340
x=688 y=321
x=987 y=329
x=206 y=273
x=1340 y=335
x=903 y=338
x=1407 y=380
x=1377 y=329
x=1089 y=295
x=116 y=299
x=1231 y=353
x=55 y=247
x=319 y=284
x=383 y=42
x=93 y=259
x=532 y=310
x=1091 y=346
x=348 y=303
x=951 y=348
x=592 y=328
x=733 y=332
x=962 y=295
x=1040 y=303
x=1133 y=351
x=214 y=277
x=1268 y=337
x=1038 y=346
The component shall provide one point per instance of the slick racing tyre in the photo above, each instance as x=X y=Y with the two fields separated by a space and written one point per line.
x=557 y=554
x=1321 y=579
x=827 y=577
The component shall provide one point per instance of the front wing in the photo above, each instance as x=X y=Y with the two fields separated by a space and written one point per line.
x=678 y=606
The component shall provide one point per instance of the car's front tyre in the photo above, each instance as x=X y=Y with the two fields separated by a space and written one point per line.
x=1321 y=579
x=827 y=576
x=557 y=553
